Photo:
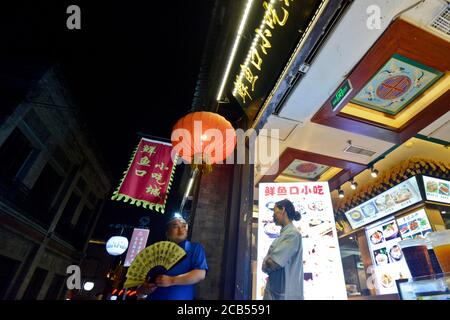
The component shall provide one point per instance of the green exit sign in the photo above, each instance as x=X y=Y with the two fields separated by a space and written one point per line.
x=341 y=94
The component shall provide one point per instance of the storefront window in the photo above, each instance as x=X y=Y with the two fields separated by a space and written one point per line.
x=354 y=271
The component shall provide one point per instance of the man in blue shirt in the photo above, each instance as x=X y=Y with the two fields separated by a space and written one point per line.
x=179 y=282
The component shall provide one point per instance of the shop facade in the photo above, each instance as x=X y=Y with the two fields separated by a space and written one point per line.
x=410 y=202
x=324 y=138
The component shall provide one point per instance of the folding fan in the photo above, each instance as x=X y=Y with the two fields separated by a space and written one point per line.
x=152 y=261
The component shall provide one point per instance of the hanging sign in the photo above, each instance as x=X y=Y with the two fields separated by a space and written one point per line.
x=116 y=245
x=137 y=244
x=272 y=31
x=149 y=176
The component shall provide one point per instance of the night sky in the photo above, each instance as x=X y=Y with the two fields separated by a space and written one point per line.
x=131 y=68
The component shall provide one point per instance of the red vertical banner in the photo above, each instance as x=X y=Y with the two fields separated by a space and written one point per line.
x=149 y=176
x=137 y=244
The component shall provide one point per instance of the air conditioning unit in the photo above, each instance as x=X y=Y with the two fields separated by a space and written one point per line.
x=359 y=150
x=432 y=16
x=441 y=23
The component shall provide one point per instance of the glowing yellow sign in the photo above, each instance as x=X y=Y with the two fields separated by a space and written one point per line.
x=276 y=15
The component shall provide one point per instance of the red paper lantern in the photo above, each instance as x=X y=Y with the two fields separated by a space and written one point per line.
x=204 y=134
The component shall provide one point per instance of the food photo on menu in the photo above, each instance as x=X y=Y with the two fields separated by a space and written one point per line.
x=395 y=253
x=385 y=202
x=432 y=186
x=369 y=209
x=387 y=280
x=381 y=256
x=376 y=237
x=390 y=231
x=402 y=194
x=269 y=226
x=415 y=225
x=404 y=230
x=444 y=189
x=356 y=215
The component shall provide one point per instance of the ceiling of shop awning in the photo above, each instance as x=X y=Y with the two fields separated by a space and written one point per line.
x=344 y=48
x=439 y=129
x=414 y=147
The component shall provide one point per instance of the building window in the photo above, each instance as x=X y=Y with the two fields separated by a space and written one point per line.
x=93 y=199
x=61 y=158
x=8 y=269
x=82 y=226
x=34 y=122
x=43 y=194
x=55 y=287
x=69 y=210
x=35 y=284
x=13 y=154
x=81 y=184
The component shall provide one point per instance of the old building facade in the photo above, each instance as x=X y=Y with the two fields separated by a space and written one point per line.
x=52 y=190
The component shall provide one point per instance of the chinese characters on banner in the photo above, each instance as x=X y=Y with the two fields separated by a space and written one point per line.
x=322 y=264
x=149 y=176
x=137 y=244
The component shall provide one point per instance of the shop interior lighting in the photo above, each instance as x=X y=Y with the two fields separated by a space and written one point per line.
x=235 y=46
x=374 y=172
x=353 y=185
x=341 y=193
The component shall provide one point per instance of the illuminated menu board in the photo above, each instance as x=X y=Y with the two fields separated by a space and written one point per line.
x=388 y=261
x=322 y=264
x=437 y=189
x=395 y=199
x=414 y=225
